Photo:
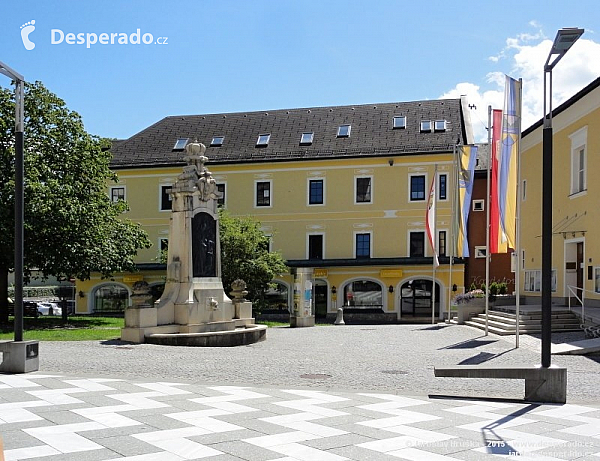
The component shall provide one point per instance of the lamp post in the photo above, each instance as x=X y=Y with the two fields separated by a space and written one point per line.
x=565 y=38
x=19 y=217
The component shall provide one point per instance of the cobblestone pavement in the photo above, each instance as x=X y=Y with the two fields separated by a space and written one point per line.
x=313 y=394
x=390 y=358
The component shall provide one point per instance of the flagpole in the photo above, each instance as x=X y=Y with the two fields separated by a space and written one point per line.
x=433 y=241
x=452 y=222
x=518 y=219
x=487 y=225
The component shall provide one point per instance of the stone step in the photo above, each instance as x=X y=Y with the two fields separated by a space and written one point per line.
x=533 y=316
x=504 y=323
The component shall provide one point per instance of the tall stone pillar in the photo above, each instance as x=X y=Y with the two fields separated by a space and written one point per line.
x=303 y=311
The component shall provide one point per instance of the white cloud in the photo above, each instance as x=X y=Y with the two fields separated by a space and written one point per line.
x=524 y=57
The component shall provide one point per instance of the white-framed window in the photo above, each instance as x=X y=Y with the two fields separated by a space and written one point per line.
x=262 y=193
x=533 y=281
x=440 y=125
x=315 y=245
x=316 y=191
x=263 y=140
x=165 y=203
x=442 y=186
x=344 y=131
x=478 y=205
x=597 y=279
x=399 y=122
x=426 y=126
x=579 y=161
x=306 y=139
x=417 y=187
x=117 y=193
x=416 y=244
x=363 y=189
x=480 y=251
x=363 y=245
x=222 y=188
x=442 y=243
x=217 y=141
x=524 y=190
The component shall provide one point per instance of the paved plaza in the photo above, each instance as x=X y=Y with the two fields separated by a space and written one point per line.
x=322 y=393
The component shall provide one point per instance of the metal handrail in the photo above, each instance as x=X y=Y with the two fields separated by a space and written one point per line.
x=572 y=289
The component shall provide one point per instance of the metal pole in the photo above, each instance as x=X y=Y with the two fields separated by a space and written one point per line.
x=451 y=241
x=518 y=223
x=19 y=219
x=547 y=227
x=487 y=224
x=19 y=202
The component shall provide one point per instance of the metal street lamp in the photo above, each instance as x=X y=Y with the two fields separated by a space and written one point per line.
x=19 y=217
x=565 y=38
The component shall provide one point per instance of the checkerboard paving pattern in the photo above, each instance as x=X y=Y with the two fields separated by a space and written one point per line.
x=51 y=417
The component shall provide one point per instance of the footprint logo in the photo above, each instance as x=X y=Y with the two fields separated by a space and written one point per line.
x=26 y=29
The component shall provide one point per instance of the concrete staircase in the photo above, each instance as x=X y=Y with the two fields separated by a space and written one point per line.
x=505 y=323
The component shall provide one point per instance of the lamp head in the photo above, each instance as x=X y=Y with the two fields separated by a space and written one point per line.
x=564 y=40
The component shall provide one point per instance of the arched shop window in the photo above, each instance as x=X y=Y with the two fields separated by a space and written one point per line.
x=363 y=294
x=110 y=298
x=276 y=298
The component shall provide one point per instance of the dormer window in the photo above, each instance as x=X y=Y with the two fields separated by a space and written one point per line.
x=440 y=125
x=344 y=131
x=180 y=143
x=307 y=138
x=217 y=141
x=426 y=126
x=399 y=122
x=263 y=140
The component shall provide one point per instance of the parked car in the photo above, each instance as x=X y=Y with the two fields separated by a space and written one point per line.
x=45 y=308
x=30 y=308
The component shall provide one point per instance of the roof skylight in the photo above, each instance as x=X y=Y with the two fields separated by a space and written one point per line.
x=217 y=141
x=343 y=131
x=263 y=140
x=307 y=138
x=426 y=125
x=399 y=121
x=180 y=143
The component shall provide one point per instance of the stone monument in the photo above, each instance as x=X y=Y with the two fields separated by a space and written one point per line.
x=193 y=309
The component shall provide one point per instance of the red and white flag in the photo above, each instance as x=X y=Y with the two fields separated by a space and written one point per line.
x=430 y=222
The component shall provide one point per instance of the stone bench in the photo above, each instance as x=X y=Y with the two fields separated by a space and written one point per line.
x=541 y=384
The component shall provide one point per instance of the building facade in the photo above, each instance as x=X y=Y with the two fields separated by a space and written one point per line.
x=576 y=210
x=342 y=191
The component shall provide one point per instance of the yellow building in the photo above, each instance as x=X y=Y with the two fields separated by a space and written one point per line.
x=341 y=191
x=576 y=210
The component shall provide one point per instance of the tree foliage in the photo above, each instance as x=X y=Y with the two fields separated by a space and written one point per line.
x=71 y=226
x=245 y=255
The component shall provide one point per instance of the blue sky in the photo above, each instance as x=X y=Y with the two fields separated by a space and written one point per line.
x=237 y=55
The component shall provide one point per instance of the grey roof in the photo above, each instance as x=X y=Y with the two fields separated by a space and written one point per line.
x=371 y=134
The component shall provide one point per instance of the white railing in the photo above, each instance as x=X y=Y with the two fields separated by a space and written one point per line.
x=573 y=290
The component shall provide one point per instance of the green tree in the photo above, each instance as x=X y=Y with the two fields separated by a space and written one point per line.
x=245 y=255
x=71 y=226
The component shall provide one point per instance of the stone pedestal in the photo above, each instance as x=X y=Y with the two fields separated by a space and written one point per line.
x=19 y=356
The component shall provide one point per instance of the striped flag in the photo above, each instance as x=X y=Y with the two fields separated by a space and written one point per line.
x=430 y=221
x=507 y=165
x=466 y=169
x=497 y=243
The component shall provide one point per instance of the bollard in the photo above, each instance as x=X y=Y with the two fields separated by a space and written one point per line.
x=340 y=317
